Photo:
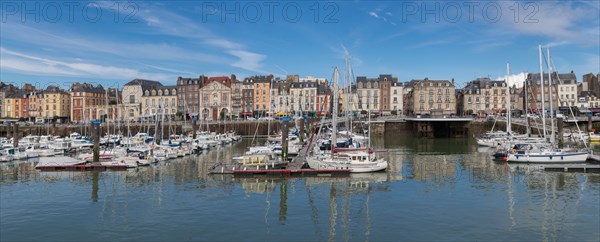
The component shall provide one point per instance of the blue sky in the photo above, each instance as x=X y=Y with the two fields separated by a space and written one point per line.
x=411 y=40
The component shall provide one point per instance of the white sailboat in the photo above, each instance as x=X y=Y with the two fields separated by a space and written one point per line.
x=546 y=153
x=354 y=160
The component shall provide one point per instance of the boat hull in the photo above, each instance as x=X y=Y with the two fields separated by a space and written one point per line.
x=579 y=157
x=317 y=164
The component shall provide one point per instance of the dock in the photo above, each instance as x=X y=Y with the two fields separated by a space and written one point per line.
x=585 y=168
x=287 y=172
x=63 y=163
x=83 y=167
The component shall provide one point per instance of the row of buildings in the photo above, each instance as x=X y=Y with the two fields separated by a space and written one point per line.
x=212 y=98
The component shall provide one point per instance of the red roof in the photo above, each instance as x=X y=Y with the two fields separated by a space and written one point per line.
x=225 y=80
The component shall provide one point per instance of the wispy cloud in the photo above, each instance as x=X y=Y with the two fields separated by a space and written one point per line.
x=432 y=43
x=562 y=22
x=248 y=60
x=31 y=64
x=173 y=24
x=373 y=14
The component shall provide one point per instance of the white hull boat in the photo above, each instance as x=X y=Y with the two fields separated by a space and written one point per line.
x=549 y=157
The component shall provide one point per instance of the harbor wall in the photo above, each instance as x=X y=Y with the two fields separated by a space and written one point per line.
x=259 y=128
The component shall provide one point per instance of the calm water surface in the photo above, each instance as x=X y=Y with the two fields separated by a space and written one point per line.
x=443 y=189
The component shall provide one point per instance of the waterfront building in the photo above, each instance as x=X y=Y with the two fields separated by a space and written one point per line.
x=516 y=100
x=262 y=94
x=281 y=98
x=397 y=97
x=15 y=104
x=187 y=95
x=303 y=96
x=349 y=99
x=34 y=105
x=368 y=94
x=534 y=92
x=247 y=97
x=324 y=99
x=431 y=97
x=85 y=100
x=131 y=97
x=158 y=101
x=5 y=89
x=590 y=83
x=484 y=96
x=55 y=104
x=375 y=93
x=567 y=93
x=587 y=102
x=215 y=98
x=237 y=88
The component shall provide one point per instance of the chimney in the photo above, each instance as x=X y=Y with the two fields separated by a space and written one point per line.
x=452 y=81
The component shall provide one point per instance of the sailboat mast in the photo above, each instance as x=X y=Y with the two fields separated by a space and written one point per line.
x=346 y=81
x=543 y=95
x=117 y=110
x=552 y=138
x=334 y=113
x=270 y=109
x=106 y=119
x=508 y=112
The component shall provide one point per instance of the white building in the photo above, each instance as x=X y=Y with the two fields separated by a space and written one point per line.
x=216 y=98
x=131 y=95
x=158 y=101
x=303 y=96
x=567 y=93
x=397 y=97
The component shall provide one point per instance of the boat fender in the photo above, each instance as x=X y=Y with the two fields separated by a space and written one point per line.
x=550 y=157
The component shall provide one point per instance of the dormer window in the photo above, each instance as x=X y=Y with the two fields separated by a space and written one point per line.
x=174 y=92
x=147 y=93
x=153 y=92
x=160 y=92
x=167 y=92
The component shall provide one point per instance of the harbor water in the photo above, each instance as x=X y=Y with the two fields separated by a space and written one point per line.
x=433 y=189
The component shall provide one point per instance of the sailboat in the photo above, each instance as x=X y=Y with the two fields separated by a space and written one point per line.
x=355 y=160
x=546 y=153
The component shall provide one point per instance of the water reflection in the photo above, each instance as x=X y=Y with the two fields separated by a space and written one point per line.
x=443 y=185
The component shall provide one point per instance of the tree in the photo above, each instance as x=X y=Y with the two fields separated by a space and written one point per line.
x=394 y=112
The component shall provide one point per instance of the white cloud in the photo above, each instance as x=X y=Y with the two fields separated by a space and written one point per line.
x=388 y=13
x=563 y=22
x=373 y=14
x=513 y=79
x=26 y=63
x=248 y=60
x=176 y=25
